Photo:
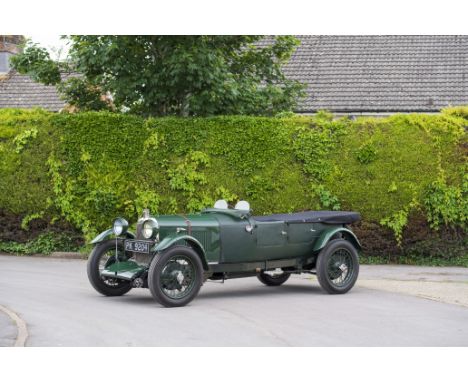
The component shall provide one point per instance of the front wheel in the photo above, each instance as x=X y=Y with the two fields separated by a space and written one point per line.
x=338 y=267
x=101 y=257
x=175 y=276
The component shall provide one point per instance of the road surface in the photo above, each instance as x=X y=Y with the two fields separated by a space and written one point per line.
x=60 y=308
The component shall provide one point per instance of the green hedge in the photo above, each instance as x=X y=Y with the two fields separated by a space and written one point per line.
x=88 y=168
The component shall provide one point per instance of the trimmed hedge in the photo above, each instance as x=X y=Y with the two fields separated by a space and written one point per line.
x=398 y=171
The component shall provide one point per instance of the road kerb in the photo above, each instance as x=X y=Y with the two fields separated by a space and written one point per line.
x=53 y=255
x=22 y=335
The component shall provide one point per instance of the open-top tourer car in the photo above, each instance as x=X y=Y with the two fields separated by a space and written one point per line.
x=173 y=255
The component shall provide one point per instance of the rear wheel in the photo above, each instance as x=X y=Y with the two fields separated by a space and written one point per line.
x=338 y=266
x=273 y=278
x=175 y=276
x=102 y=256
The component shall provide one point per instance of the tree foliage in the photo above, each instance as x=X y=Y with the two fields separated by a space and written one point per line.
x=172 y=75
x=36 y=62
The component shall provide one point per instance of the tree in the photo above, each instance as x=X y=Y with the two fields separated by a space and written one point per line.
x=171 y=75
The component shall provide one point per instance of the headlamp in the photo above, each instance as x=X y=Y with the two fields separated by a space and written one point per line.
x=150 y=228
x=120 y=226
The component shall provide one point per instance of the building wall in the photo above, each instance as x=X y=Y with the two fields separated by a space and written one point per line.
x=9 y=45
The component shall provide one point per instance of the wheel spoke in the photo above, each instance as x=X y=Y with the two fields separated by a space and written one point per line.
x=340 y=267
x=107 y=259
x=178 y=277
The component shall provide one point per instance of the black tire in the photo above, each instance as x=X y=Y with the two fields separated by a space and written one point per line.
x=338 y=267
x=106 y=286
x=273 y=280
x=170 y=271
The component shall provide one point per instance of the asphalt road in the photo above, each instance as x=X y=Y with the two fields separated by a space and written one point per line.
x=60 y=308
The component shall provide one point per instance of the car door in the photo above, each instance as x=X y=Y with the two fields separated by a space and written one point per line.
x=238 y=240
x=272 y=239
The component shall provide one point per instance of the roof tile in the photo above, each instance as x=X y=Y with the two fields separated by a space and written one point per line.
x=20 y=91
x=381 y=73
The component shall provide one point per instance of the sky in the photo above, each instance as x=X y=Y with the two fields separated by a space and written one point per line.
x=52 y=42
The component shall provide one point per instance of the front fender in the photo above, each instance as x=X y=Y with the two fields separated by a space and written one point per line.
x=108 y=234
x=328 y=234
x=170 y=240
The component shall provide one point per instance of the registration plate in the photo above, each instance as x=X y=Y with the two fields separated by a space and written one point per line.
x=137 y=246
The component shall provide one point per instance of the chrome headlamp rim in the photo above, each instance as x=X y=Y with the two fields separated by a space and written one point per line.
x=150 y=228
x=120 y=226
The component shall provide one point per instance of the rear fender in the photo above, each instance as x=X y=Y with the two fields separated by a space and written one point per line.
x=330 y=233
x=105 y=235
x=171 y=240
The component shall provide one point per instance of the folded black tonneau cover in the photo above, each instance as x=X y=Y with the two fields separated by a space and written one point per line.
x=326 y=217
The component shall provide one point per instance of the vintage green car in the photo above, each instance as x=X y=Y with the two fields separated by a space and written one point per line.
x=173 y=255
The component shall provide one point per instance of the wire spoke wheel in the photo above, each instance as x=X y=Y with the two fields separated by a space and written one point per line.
x=340 y=267
x=103 y=256
x=274 y=277
x=275 y=273
x=177 y=277
x=106 y=260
